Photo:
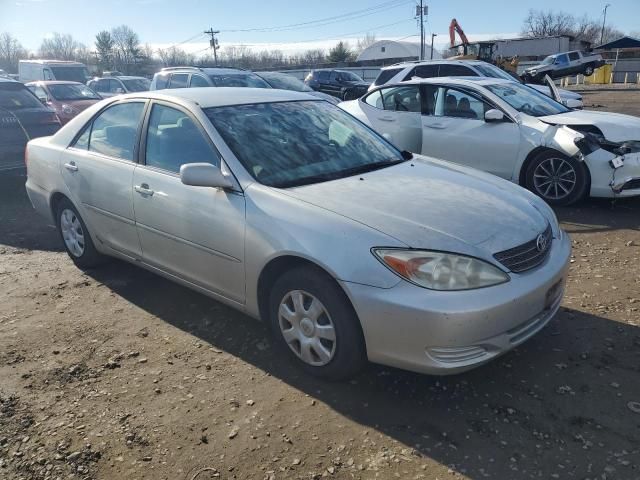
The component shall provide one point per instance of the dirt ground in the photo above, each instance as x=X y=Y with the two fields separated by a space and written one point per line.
x=117 y=373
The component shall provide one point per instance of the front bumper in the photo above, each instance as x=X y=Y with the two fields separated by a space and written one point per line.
x=449 y=332
x=609 y=183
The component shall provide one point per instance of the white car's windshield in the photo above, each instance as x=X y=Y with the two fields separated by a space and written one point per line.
x=296 y=143
x=526 y=99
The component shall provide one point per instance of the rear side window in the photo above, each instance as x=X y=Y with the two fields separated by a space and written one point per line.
x=385 y=75
x=424 y=71
x=456 y=71
x=115 y=130
x=179 y=80
x=174 y=139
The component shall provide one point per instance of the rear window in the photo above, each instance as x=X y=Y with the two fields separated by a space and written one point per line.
x=386 y=75
x=161 y=81
x=17 y=96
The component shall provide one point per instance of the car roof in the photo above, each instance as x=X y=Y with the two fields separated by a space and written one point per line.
x=207 y=97
x=207 y=70
x=429 y=62
x=455 y=81
x=120 y=77
x=53 y=82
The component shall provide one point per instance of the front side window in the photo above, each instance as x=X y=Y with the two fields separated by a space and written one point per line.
x=375 y=100
x=527 y=100
x=562 y=59
x=198 y=81
x=102 y=86
x=179 y=80
x=173 y=139
x=402 y=99
x=451 y=102
x=115 y=86
x=287 y=144
x=322 y=76
x=456 y=71
x=115 y=130
x=136 y=84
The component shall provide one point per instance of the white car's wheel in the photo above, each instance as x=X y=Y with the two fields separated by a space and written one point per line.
x=314 y=322
x=558 y=179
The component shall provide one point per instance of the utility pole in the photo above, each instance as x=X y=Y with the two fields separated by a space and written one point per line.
x=604 y=20
x=433 y=35
x=214 y=43
x=421 y=11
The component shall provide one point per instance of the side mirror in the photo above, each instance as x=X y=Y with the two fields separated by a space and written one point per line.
x=119 y=90
x=43 y=99
x=494 y=115
x=572 y=103
x=204 y=175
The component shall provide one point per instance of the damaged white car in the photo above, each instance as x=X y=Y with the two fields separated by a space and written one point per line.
x=512 y=131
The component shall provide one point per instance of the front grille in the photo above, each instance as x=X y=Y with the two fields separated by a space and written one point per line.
x=632 y=184
x=528 y=255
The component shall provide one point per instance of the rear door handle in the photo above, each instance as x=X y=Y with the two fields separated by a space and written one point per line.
x=387 y=119
x=144 y=189
x=435 y=125
x=71 y=166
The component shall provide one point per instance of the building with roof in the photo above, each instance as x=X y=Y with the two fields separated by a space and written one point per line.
x=396 y=50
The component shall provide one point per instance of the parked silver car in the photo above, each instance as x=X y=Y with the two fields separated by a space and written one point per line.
x=291 y=210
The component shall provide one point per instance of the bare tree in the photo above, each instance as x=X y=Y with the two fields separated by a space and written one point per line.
x=60 y=47
x=366 y=41
x=540 y=23
x=173 y=57
x=10 y=52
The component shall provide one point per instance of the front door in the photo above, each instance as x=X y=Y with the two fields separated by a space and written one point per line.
x=98 y=170
x=195 y=233
x=454 y=129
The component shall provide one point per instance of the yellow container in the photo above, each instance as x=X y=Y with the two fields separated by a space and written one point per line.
x=601 y=75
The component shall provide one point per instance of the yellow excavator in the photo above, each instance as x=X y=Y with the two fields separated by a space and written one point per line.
x=479 y=50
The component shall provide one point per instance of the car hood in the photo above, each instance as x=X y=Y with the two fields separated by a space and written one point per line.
x=436 y=205
x=324 y=96
x=616 y=127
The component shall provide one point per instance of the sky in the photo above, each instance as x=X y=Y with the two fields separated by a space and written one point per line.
x=284 y=25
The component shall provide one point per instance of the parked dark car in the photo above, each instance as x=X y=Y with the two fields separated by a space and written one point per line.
x=22 y=117
x=284 y=81
x=343 y=84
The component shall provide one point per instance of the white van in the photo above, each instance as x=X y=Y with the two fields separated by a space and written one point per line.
x=34 y=70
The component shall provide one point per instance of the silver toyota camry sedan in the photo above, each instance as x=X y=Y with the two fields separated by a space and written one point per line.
x=292 y=211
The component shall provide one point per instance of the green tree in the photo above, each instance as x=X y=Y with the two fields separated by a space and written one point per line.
x=340 y=53
x=104 y=49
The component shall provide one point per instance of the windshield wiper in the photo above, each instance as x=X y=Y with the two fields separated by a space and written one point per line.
x=367 y=167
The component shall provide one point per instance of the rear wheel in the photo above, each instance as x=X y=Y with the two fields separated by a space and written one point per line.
x=315 y=324
x=558 y=179
x=75 y=236
x=588 y=70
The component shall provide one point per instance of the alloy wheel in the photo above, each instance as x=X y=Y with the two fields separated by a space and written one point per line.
x=307 y=328
x=72 y=232
x=554 y=178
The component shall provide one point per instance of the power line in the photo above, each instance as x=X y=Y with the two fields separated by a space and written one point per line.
x=328 y=20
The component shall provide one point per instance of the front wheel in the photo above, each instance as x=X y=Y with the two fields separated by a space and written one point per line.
x=588 y=71
x=558 y=179
x=75 y=236
x=315 y=324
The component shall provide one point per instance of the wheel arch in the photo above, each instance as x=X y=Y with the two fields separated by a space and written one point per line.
x=522 y=176
x=54 y=201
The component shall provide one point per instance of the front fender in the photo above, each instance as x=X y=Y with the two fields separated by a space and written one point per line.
x=562 y=139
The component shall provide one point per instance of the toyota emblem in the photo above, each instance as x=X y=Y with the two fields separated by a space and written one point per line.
x=541 y=243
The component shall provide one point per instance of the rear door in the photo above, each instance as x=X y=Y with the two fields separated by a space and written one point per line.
x=195 y=233
x=98 y=170
x=454 y=129
x=575 y=62
x=395 y=112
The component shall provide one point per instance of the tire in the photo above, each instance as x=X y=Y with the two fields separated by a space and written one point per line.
x=588 y=70
x=568 y=179
x=306 y=337
x=75 y=236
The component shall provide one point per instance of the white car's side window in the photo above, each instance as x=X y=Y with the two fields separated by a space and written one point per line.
x=375 y=100
x=451 y=102
x=402 y=99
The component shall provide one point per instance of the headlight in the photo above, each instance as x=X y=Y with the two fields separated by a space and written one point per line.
x=440 y=270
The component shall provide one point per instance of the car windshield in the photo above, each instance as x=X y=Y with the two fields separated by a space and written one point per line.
x=285 y=82
x=493 y=72
x=17 y=96
x=350 y=76
x=136 y=84
x=527 y=100
x=72 y=92
x=238 y=80
x=549 y=60
x=288 y=144
x=72 y=74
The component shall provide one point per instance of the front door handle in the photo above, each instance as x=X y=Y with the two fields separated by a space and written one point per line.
x=435 y=125
x=387 y=119
x=143 y=189
x=71 y=166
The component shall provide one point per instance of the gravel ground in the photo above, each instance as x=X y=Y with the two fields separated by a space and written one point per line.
x=117 y=373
